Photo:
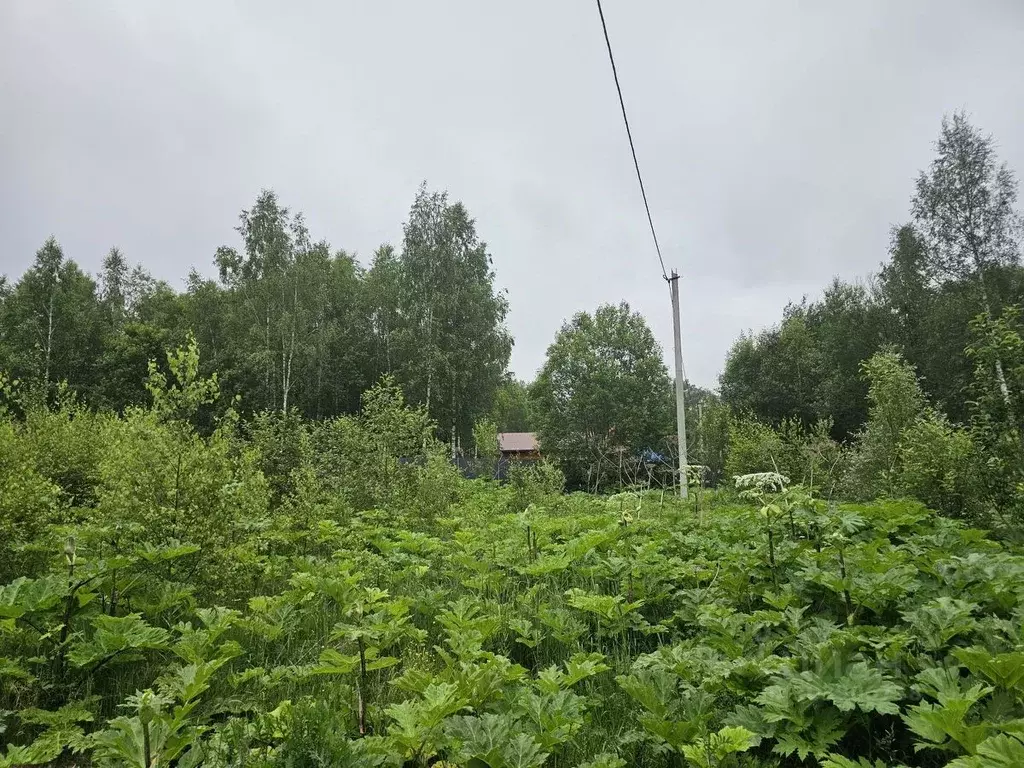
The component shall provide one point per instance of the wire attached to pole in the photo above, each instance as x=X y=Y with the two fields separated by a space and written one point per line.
x=629 y=135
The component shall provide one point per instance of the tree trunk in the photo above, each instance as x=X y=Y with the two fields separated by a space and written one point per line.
x=430 y=354
x=269 y=358
x=1004 y=390
x=286 y=369
x=319 y=376
x=49 y=338
x=286 y=376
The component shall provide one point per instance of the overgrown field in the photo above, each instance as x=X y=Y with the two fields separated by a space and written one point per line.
x=620 y=631
x=184 y=588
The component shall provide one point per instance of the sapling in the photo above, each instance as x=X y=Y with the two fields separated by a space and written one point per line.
x=839 y=541
x=695 y=475
x=765 y=488
x=374 y=624
x=69 y=604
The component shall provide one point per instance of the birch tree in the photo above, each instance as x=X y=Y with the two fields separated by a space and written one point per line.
x=51 y=322
x=45 y=273
x=965 y=210
x=382 y=295
x=265 y=281
x=114 y=289
x=449 y=319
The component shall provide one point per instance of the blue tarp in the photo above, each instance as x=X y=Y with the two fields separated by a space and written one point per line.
x=650 y=457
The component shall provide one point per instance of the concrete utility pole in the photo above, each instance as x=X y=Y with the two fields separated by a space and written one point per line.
x=677 y=337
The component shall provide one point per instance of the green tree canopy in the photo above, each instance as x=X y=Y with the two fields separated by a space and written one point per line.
x=603 y=388
x=51 y=322
x=440 y=322
x=965 y=206
x=513 y=409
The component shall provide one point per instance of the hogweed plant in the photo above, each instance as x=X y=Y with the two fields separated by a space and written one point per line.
x=268 y=605
x=766 y=489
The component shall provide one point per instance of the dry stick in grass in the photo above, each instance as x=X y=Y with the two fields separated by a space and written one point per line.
x=361 y=687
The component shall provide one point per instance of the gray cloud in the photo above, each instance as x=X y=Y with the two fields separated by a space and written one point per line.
x=779 y=141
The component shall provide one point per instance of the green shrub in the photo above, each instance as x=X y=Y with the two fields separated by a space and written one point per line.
x=62 y=441
x=533 y=483
x=282 y=447
x=29 y=502
x=753 y=447
x=387 y=457
x=809 y=456
x=940 y=465
x=896 y=402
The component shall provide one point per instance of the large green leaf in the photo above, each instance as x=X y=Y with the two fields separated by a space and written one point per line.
x=940 y=620
x=946 y=725
x=1005 y=670
x=25 y=596
x=712 y=752
x=480 y=737
x=522 y=751
x=999 y=751
x=114 y=635
x=861 y=687
x=14 y=671
x=604 y=760
x=817 y=738
x=838 y=761
x=41 y=752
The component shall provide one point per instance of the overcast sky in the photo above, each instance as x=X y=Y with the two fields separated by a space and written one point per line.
x=779 y=140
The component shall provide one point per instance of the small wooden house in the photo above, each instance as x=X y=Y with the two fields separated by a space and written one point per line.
x=515 y=448
x=519 y=445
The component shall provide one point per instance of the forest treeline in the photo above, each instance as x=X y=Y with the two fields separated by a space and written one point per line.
x=956 y=258
x=290 y=323
x=910 y=382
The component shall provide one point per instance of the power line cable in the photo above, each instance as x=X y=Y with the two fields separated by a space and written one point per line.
x=629 y=135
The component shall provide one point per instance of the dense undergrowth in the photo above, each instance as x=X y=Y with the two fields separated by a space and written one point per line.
x=280 y=593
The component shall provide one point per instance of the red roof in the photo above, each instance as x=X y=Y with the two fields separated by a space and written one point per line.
x=517 y=442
